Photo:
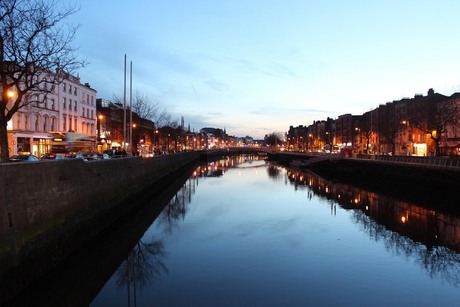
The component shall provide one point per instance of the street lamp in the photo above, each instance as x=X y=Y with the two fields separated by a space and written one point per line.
x=154 y=138
x=10 y=93
x=358 y=138
x=99 y=135
x=329 y=141
x=408 y=145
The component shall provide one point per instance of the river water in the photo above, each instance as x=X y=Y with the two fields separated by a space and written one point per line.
x=244 y=232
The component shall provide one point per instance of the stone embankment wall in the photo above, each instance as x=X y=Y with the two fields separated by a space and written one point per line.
x=416 y=175
x=53 y=207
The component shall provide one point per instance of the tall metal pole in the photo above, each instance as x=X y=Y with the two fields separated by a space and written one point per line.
x=131 y=106
x=124 y=107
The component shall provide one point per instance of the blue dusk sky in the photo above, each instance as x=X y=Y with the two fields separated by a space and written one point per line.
x=258 y=66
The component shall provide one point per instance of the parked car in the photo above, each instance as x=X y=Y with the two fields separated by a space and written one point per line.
x=90 y=156
x=24 y=158
x=76 y=156
x=103 y=156
x=115 y=153
x=52 y=156
x=110 y=152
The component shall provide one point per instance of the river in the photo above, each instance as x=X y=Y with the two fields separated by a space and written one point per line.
x=243 y=231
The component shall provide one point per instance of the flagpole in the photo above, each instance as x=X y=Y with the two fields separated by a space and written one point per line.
x=124 y=107
x=131 y=106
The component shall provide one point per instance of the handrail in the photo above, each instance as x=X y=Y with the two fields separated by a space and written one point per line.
x=441 y=162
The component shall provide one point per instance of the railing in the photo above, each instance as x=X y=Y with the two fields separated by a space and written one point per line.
x=440 y=162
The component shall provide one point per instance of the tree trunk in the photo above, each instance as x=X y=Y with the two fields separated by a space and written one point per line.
x=5 y=154
x=437 y=149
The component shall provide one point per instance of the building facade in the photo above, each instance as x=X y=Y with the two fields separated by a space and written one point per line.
x=418 y=126
x=71 y=107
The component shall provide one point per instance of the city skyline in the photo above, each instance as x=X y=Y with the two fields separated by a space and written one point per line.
x=260 y=67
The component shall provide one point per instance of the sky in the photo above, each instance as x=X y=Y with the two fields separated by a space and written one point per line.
x=255 y=67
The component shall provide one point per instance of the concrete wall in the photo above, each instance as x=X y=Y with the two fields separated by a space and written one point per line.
x=45 y=204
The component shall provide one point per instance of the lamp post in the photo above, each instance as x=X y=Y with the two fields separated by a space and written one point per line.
x=329 y=141
x=408 y=144
x=99 y=139
x=358 y=138
x=133 y=141
x=154 y=139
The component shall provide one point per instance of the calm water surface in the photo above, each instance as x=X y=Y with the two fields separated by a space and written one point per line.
x=242 y=232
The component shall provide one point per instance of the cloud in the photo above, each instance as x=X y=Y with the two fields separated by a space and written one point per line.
x=216 y=114
x=216 y=85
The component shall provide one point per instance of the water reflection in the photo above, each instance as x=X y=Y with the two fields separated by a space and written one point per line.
x=144 y=264
x=430 y=238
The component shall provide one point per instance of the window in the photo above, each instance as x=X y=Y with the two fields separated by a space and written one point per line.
x=70 y=122
x=75 y=90
x=26 y=121
x=92 y=100
x=64 y=122
x=83 y=112
x=64 y=86
x=70 y=89
x=70 y=104
x=87 y=113
x=75 y=106
x=53 y=123
x=92 y=113
x=45 y=123
x=36 y=123
x=52 y=103
x=76 y=122
x=87 y=98
x=18 y=125
x=64 y=103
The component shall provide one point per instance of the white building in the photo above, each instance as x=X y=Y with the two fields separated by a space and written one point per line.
x=71 y=107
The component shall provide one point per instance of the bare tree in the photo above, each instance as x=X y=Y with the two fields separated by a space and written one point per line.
x=35 y=55
x=146 y=109
x=274 y=139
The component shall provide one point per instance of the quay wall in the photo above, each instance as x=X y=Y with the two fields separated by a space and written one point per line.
x=437 y=173
x=49 y=209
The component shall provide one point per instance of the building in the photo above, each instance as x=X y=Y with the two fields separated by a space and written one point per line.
x=346 y=130
x=71 y=106
x=420 y=126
